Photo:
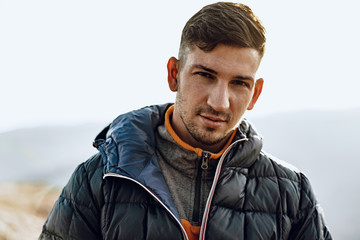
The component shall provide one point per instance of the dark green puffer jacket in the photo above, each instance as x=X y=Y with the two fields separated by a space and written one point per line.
x=120 y=192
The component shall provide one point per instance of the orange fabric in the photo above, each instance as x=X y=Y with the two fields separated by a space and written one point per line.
x=192 y=232
x=198 y=151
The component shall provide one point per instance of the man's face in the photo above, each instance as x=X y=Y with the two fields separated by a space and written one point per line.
x=214 y=89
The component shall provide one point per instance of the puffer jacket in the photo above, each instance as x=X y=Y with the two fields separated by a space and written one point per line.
x=120 y=192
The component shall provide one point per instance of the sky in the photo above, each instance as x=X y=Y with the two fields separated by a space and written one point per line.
x=70 y=62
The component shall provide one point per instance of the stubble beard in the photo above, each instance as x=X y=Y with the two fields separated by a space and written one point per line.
x=204 y=136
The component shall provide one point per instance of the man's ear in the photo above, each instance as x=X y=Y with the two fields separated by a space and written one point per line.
x=257 y=91
x=173 y=71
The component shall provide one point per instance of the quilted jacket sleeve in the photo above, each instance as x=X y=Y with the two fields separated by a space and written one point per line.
x=310 y=222
x=76 y=213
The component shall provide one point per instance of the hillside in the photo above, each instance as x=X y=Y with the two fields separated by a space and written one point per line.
x=321 y=144
x=23 y=209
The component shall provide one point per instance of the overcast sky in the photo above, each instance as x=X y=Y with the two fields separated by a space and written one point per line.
x=68 y=62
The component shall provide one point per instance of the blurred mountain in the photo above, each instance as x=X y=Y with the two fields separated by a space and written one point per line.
x=321 y=144
x=48 y=153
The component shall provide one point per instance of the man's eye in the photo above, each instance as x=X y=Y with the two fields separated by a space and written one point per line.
x=204 y=74
x=241 y=83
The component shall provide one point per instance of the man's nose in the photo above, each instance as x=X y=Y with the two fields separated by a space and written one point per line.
x=218 y=97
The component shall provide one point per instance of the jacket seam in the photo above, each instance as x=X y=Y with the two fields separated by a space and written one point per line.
x=137 y=203
x=93 y=200
x=312 y=206
x=274 y=176
x=281 y=200
x=73 y=202
x=246 y=211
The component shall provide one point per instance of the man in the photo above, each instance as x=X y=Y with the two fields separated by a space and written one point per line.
x=187 y=171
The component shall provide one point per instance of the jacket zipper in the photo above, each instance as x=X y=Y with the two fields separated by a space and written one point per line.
x=153 y=195
x=205 y=160
x=203 y=165
x=212 y=190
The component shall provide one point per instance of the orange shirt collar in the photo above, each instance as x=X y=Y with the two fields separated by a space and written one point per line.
x=198 y=151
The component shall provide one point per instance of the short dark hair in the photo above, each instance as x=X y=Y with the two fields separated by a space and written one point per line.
x=232 y=24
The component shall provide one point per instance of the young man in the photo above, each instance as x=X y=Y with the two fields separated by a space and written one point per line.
x=188 y=170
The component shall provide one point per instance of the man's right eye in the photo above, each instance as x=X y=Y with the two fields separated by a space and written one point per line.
x=205 y=74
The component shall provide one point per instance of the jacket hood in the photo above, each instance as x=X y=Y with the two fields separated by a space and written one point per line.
x=127 y=147
x=128 y=143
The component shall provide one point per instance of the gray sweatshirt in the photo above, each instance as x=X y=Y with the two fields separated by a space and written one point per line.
x=188 y=175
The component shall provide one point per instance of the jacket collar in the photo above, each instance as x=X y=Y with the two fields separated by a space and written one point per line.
x=128 y=143
x=244 y=153
x=128 y=148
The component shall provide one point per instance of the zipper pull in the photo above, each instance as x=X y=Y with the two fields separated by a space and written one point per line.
x=205 y=160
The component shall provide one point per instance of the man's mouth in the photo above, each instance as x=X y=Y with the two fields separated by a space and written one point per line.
x=213 y=118
x=212 y=121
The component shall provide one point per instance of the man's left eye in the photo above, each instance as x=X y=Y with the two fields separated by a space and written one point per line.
x=241 y=83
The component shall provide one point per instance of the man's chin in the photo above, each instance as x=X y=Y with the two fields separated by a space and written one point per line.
x=209 y=129
x=209 y=140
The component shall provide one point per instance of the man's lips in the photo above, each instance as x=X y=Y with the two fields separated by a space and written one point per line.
x=213 y=118
x=212 y=121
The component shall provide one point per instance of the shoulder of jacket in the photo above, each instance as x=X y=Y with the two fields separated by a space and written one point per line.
x=81 y=196
x=292 y=180
x=285 y=170
x=86 y=179
x=94 y=163
x=281 y=169
x=87 y=169
x=281 y=163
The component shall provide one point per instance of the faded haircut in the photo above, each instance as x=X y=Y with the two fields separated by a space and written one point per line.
x=231 y=24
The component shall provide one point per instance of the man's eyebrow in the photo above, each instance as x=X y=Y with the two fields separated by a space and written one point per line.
x=245 y=78
x=239 y=77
